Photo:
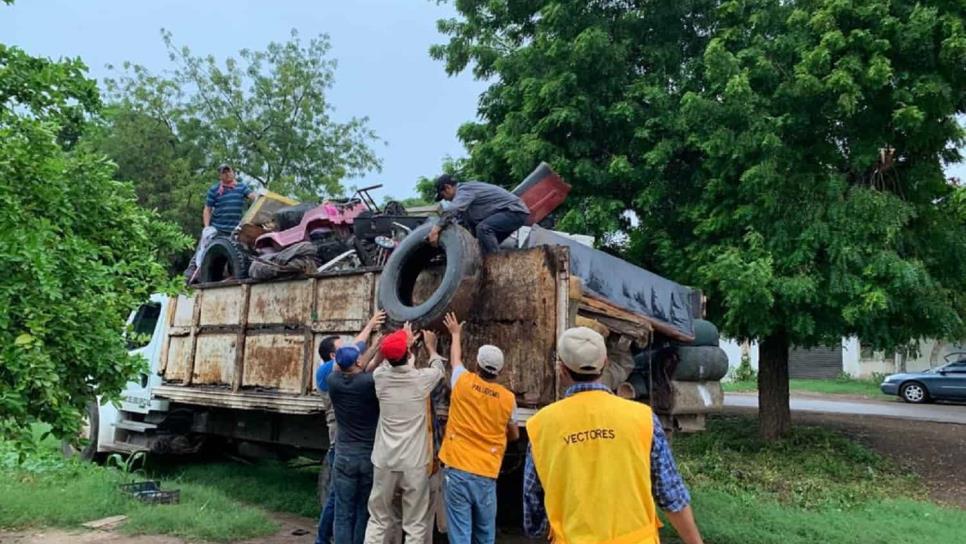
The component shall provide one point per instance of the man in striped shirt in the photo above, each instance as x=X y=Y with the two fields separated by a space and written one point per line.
x=224 y=206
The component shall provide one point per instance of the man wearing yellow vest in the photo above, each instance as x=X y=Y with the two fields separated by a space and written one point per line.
x=593 y=448
x=479 y=424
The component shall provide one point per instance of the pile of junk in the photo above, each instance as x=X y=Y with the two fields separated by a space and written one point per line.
x=279 y=237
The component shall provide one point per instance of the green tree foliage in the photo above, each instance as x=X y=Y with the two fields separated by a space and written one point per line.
x=787 y=157
x=77 y=251
x=267 y=113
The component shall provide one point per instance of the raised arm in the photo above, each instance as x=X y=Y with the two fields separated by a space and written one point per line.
x=455 y=347
x=377 y=319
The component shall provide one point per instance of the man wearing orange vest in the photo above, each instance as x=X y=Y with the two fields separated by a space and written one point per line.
x=479 y=424
x=594 y=448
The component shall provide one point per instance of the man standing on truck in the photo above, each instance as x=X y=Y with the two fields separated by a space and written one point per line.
x=327 y=351
x=479 y=424
x=594 y=448
x=492 y=213
x=402 y=453
x=224 y=205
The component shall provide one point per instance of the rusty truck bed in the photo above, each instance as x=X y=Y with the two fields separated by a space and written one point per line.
x=247 y=345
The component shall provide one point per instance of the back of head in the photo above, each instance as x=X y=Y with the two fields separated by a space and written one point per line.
x=346 y=357
x=583 y=353
x=327 y=347
x=489 y=359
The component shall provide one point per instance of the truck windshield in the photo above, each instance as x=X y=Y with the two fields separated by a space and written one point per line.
x=142 y=327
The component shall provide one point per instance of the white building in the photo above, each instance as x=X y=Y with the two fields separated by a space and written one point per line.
x=848 y=358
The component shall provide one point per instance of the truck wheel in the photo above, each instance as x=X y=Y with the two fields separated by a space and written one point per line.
x=223 y=259
x=701 y=364
x=290 y=216
x=88 y=434
x=456 y=289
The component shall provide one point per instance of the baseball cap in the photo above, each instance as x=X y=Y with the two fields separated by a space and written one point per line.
x=223 y=166
x=490 y=358
x=442 y=181
x=582 y=350
x=346 y=356
x=395 y=345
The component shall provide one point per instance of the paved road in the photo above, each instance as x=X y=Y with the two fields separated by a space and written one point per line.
x=941 y=413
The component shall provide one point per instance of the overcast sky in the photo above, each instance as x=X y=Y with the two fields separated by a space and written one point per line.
x=382 y=47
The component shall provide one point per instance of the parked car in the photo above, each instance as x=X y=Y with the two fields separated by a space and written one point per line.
x=947 y=382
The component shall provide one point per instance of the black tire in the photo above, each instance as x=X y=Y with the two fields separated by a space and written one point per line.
x=224 y=259
x=914 y=393
x=290 y=216
x=701 y=364
x=456 y=290
x=705 y=333
x=89 y=450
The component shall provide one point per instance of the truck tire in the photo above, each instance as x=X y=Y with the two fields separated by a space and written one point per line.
x=224 y=258
x=89 y=431
x=456 y=290
x=700 y=364
x=290 y=216
x=705 y=333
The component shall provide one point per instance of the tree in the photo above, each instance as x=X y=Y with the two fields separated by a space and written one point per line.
x=268 y=114
x=786 y=157
x=78 y=253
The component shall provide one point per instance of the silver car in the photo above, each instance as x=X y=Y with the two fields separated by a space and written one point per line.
x=947 y=382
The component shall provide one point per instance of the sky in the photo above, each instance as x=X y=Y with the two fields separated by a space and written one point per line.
x=384 y=70
x=382 y=47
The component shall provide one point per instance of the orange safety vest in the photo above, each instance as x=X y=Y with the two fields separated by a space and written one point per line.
x=592 y=452
x=476 y=426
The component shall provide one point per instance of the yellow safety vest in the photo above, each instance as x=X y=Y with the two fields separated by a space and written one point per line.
x=476 y=426
x=592 y=452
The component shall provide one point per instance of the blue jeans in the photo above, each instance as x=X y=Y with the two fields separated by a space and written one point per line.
x=470 y=507
x=352 y=479
x=327 y=518
x=496 y=228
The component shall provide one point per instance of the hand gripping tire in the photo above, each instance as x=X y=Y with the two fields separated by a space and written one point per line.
x=456 y=290
x=221 y=253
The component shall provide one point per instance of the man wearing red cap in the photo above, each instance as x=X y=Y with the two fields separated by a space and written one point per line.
x=402 y=454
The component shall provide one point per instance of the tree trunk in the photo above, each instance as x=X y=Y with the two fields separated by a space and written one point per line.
x=774 y=414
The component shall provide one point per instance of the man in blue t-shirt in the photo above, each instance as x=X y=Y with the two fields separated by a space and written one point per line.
x=327 y=350
x=224 y=206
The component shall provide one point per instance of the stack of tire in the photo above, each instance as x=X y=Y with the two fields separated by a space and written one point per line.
x=701 y=360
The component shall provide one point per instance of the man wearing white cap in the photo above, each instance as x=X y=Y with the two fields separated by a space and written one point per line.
x=479 y=424
x=593 y=448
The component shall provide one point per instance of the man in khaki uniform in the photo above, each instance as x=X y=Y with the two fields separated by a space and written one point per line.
x=402 y=455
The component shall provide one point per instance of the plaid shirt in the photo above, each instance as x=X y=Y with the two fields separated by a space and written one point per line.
x=667 y=486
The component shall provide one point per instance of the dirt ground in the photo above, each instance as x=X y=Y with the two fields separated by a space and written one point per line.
x=934 y=451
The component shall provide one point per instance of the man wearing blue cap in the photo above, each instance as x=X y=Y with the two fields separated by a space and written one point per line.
x=353 y=394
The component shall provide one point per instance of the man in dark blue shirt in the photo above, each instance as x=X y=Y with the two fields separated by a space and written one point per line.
x=353 y=394
x=328 y=348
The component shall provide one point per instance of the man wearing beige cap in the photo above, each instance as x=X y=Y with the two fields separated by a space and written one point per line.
x=479 y=424
x=594 y=448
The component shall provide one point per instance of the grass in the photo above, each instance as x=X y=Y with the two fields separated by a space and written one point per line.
x=815 y=486
x=43 y=489
x=838 y=386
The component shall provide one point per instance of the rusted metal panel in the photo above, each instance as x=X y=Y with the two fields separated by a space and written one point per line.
x=221 y=306
x=274 y=361
x=287 y=302
x=344 y=303
x=184 y=310
x=239 y=371
x=309 y=344
x=214 y=359
x=179 y=359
